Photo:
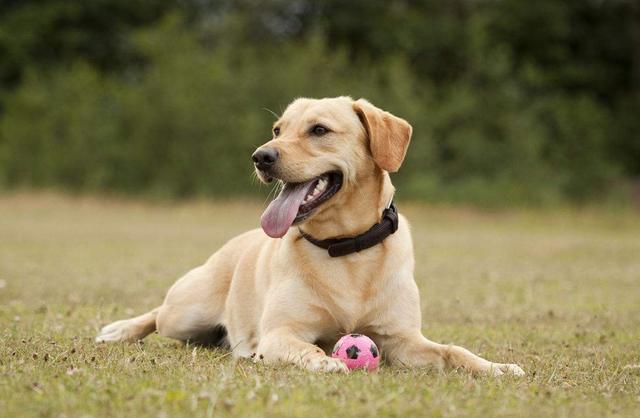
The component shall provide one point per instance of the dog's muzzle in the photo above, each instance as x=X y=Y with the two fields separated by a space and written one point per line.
x=265 y=158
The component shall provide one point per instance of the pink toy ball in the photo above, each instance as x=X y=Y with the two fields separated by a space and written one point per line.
x=357 y=351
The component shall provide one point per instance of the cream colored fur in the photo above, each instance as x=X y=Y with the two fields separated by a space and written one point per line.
x=286 y=300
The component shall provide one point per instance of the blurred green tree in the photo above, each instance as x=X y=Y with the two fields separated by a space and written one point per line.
x=512 y=102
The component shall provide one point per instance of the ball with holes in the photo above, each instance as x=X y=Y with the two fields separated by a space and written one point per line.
x=357 y=351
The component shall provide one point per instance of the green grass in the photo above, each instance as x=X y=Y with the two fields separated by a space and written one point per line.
x=556 y=291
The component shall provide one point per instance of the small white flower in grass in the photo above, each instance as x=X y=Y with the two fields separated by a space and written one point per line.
x=72 y=370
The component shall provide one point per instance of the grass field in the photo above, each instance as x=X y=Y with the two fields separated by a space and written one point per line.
x=556 y=291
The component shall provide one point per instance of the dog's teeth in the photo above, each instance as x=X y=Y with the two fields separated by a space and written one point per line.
x=320 y=187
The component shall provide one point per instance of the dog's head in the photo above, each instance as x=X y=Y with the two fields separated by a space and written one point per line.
x=321 y=150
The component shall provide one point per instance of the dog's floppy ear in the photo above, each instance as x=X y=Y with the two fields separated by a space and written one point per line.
x=389 y=135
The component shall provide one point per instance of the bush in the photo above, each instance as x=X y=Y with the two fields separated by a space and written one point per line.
x=186 y=119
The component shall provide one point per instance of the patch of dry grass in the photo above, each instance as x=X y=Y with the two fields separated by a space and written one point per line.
x=557 y=291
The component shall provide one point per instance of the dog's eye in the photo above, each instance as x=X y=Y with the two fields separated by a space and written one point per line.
x=276 y=131
x=319 y=130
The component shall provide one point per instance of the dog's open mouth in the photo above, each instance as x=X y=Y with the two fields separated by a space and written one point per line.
x=297 y=201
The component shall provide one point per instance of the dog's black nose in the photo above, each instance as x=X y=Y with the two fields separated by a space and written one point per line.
x=265 y=158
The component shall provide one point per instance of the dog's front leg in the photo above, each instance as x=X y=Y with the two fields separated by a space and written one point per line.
x=413 y=349
x=281 y=345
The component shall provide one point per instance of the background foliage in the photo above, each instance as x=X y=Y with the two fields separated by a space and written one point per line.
x=512 y=102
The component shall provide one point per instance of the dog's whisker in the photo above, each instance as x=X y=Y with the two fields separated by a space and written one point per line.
x=272 y=112
x=277 y=188
x=253 y=177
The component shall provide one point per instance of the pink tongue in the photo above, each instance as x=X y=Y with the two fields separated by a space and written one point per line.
x=281 y=213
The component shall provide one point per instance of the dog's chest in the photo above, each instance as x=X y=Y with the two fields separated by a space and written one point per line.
x=351 y=291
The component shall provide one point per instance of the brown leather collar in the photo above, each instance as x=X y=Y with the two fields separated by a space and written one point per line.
x=338 y=247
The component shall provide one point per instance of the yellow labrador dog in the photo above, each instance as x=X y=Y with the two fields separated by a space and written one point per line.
x=278 y=294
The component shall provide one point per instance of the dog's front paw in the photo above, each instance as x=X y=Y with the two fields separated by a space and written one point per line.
x=498 y=369
x=312 y=361
x=326 y=364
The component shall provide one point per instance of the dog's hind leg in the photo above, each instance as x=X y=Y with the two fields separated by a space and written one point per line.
x=194 y=306
x=130 y=330
x=192 y=310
